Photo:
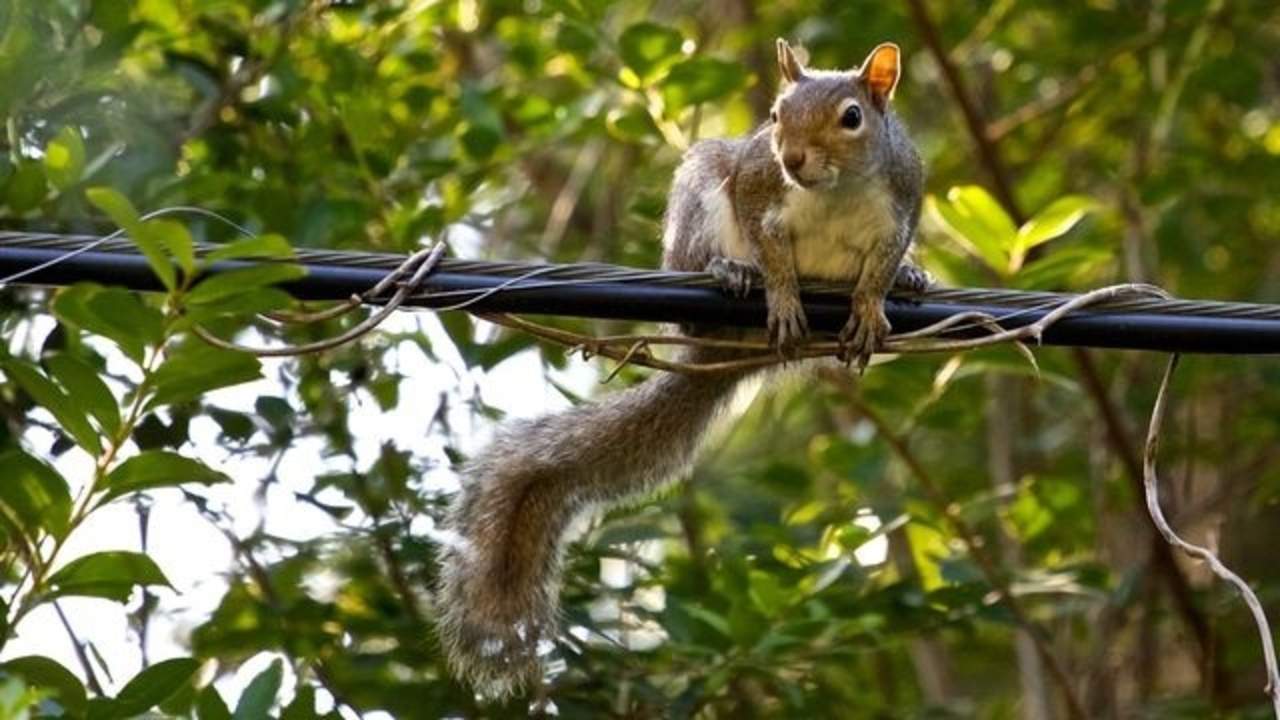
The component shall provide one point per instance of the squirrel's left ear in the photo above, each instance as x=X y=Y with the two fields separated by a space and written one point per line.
x=880 y=71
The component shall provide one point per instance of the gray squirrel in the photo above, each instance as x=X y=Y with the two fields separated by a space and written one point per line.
x=830 y=187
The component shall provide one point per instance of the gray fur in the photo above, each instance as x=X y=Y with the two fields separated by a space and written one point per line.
x=733 y=210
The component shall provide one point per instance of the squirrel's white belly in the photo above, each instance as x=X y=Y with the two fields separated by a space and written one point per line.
x=832 y=234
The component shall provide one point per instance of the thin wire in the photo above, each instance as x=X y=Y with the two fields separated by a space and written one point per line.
x=175 y=210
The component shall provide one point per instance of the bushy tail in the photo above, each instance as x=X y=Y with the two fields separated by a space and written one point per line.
x=500 y=580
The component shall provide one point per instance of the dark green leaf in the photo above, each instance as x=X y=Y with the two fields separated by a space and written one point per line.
x=303 y=706
x=158 y=468
x=211 y=706
x=195 y=368
x=33 y=495
x=260 y=694
x=110 y=574
x=223 y=285
x=113 y=313
x=83 y=384
x=700 y=80
x=648 y=49
x=47 y=674
x=41 y=389
x=26 y=188
x=154 y=685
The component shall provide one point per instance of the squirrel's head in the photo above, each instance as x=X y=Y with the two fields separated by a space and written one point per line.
x=828 y=125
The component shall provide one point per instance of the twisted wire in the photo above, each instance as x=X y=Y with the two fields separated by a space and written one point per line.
x=542 y=275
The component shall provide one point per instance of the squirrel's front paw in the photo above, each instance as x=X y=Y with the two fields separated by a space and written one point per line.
x=788 y=325
x=735 y=276
x=912 y=279
x=866 y=330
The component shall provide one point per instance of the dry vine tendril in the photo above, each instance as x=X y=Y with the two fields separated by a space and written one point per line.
x=635 y=349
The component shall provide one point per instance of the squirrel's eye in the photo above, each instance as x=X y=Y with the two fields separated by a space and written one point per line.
x=852 y=118
x=773 y=116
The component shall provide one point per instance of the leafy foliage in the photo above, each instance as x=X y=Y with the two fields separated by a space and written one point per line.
x=806 y=571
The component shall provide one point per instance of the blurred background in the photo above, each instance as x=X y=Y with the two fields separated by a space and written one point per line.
x=813 y=566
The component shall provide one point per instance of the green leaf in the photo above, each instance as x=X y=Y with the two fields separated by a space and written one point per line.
x=33 y=496
x=155 y=684
x=1053 y=222
x=303 y=706
x=82 y=383
x=64 y=158
x=631 y=124
x=173 y=237
x=195 y=368
x=158 y=468
x=245 y=304
x=70 y=418
x=111 y=574
x=260 y=694
x=113 y=313
x=42 y=672
x=122 y=213
x=227 y=284
x=973 y=218
x=648 y=49
x=699 y=80
x=258 y=246
x=211 y=706
x=26 y=188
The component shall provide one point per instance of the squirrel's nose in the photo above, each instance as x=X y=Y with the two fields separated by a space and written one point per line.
x=793 y=159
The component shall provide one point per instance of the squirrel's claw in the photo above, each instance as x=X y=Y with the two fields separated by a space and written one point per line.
x=864 y=332
x=788 y=325
x=736 y=277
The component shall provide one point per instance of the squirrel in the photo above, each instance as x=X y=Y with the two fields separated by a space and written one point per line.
x=830 y=187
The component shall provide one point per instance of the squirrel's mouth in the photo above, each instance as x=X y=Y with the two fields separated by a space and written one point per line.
x=824 y=181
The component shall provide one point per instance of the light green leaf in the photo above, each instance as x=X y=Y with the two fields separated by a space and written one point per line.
x=158 y=468
x=973 y=218
x=1053 y=222
x=122 y=213
x=82 y=383
x=33 y=496
x=155 y=684
x=258 y=246
x=174 y=237
x=42 y=672
x=260 y=694
x=648 y=49
x=110 y=574
x=64 y=158
x=226 y=284
x=70 y=417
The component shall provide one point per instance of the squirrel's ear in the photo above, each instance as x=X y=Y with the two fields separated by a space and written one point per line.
x=880 y=71
x=789 y=67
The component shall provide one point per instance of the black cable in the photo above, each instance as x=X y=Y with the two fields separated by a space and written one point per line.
x=606 y=291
